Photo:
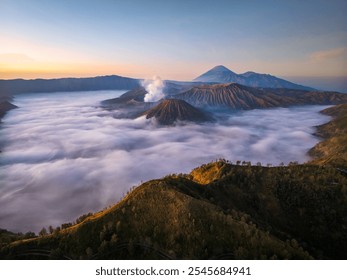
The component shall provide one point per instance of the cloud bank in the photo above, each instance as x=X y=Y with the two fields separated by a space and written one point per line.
x=62 y=156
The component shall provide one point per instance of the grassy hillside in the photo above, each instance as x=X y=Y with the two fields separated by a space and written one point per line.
x=218 y=211
x=333 y=149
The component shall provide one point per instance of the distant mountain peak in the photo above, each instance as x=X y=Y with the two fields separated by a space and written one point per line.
x=220 y=68
x=221 y=74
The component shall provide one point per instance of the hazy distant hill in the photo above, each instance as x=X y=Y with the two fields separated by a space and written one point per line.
x=10 y=87
x=237 y=96
x=171 y=110
x=221 y=74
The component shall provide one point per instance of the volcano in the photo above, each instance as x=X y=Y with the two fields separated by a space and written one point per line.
x=171 y=110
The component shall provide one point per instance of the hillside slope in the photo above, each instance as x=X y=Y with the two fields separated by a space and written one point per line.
x=218 y=211
x=333 y=149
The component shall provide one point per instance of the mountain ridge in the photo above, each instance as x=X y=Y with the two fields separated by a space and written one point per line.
x=236 y=96
x=17 y=86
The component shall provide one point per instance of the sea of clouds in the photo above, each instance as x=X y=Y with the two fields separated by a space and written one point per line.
x=63 y=156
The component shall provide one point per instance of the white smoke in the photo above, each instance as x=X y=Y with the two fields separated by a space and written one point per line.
x=154 y=88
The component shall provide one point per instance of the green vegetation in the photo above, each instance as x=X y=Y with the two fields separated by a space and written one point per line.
x=7 y=237
x=220 y=210
x=240 y=212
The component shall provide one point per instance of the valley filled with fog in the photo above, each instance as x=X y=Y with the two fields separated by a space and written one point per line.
x=62 y=155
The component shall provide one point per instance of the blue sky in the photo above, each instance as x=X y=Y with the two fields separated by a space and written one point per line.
x=174 y=39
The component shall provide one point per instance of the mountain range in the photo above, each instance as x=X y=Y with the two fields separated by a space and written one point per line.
x=236 y=96
x=213 y=97
x=223 y=75
x=16 y=86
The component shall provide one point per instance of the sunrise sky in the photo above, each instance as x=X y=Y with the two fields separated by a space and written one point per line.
x=174 y=39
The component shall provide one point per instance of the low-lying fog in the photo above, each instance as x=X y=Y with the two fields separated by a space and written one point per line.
x=62 y=156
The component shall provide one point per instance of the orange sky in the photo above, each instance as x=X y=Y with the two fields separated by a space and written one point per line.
x=176 y=40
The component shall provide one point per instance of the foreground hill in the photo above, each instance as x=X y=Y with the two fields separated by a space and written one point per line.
x=223 y=75
x=218 y=211
x=235 y=96
x=169 y=111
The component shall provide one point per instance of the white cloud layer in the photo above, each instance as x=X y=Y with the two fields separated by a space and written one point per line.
x=62 y=156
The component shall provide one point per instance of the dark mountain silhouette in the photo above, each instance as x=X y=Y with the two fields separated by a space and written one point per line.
x=221 y=74
x=237 y=96
x=171 y=110
x=5 y=106
x=10 y=87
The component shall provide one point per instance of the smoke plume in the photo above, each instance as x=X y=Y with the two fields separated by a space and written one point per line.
x=154 y=88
